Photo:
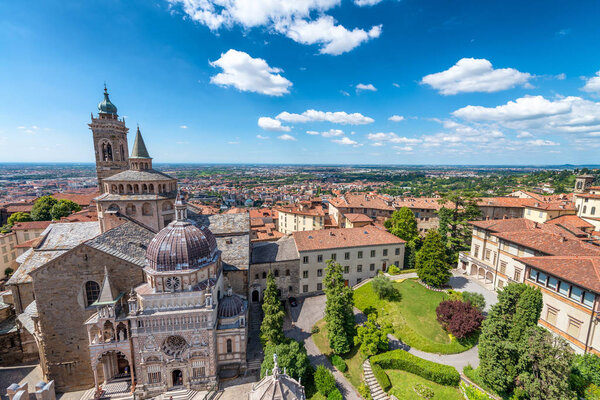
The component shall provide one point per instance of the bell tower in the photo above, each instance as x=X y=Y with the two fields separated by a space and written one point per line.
x=110 y=141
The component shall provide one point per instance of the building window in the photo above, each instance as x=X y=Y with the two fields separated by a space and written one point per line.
x=588 y=299
x=229 y=346
x=319 y=272
x=533 y=274
x=593 y=211
x=551 y=315
x=372 y=253
x=488 y=253
x=503 y=267
x=305 y=260
x=542 y=278
x=255 y=276
x=476 y=251
x=397 y=251
x=154 y=377
x=552 y=283
x=385 y=252
x=92 y=291
x=563 y=288
x=304 y=288
x=305 y=274
x=360 y=254
x=574 y=327
x=347 y=255
x=576 y=293
x=359 y=268
x=517 y=274
x=333 y=256
x=320 y=258
x=319 y=286
x=584 y=209
x=347 y=269
x=264 y=275
x=287 y=272
x=372 y=267
x=198 y=372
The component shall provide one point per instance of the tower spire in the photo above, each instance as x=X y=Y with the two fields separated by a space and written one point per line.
x=180 y=208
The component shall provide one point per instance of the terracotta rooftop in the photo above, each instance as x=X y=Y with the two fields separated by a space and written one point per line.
x=553 y=205
x=360 y=200
x=580 y=270
x=509 y=202
x=572 y=220
x=505 y=225
x=357 y=217
x=426 y=203
x=31 y=225
x=341 y=238
x=82 y=199
x=302 y=209
x=550 y=243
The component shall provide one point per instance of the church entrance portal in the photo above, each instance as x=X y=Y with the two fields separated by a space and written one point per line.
x=177 y=377
x=255 y=296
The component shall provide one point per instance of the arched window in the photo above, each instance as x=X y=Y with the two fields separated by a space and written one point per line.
x=167 y=206
x=92 y=291
x=130 y=210
x=151 y=188
x=129 y=188
x=229 y=346
x=146 y=209
x=584 y=209
x=114 y=207
x=136 y=188
x=123 y=154
x=121 y=189
x=264 y=275
x=145 y=165
x=109 y=155
x=113 y=188
x=144 y=188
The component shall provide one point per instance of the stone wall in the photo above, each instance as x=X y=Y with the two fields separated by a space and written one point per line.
x=238 y=280
x=59 y=291
x=289 y=284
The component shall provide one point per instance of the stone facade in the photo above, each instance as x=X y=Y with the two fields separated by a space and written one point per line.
x=286 y=275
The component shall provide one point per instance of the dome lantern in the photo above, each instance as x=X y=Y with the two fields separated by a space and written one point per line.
x=106 y=107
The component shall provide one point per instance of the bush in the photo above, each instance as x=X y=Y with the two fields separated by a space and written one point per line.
x=324 y=380
x=393 y=270
x=454 y=295
x=400 y=359
x=472 y=393
x=588 y=366
x=458 y=317
x=476 y=299
x=592 y=392
x=315 y=329
x=335 y=394
x=364 y=391
x=381 y=376
x=371 y=337
x=339 y=363
x=423 y=391
x=383 y=286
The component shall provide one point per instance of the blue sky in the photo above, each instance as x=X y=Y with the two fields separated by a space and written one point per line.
x=306 y=81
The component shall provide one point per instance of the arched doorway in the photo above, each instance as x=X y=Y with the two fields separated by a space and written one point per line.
x=177 y=377
x=255 y=296
x=122 y=366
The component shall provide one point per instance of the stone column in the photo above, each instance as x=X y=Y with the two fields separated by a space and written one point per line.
x=95 y=367
x=105 y=369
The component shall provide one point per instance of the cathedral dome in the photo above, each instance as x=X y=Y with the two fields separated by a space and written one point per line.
x=230 y=306
x=106 y=106
x=181 y=245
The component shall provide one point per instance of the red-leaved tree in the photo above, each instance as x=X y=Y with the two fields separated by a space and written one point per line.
x=458 y=317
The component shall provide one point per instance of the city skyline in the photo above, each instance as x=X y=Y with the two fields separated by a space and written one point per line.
x=327 y=82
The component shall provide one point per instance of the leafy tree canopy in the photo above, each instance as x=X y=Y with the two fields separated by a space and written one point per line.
x=41 y=208
x=18 y=217
x=271 y=328
x=291 y=356
x=431 y=264
x=63 y=208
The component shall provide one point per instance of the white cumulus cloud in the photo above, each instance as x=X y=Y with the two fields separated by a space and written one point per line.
x=249 y=74
x=475 y=75
x=364 y=3
x=338 y=117
x=541 y=142
x=286 y=137
x=261 y=137
x=345 y=140
x=270 y=124
x=391 y=137
x=290 y=18
x=529 y=107
x=369 y=87
x=592 y=85
x=396 y=118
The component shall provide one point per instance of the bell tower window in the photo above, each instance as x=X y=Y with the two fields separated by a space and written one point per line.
x=92 y=291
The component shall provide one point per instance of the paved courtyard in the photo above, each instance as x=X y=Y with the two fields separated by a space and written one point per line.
x=464 y=283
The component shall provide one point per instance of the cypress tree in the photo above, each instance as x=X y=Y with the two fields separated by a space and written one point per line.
x=271 y=329
x=339 y=310
x=432 y=267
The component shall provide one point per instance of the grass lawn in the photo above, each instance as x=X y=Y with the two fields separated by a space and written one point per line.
x=403 y=383
x=413 y=317
x=354 y=359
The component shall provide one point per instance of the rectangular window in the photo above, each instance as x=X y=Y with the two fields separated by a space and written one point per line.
x=359 y=268
x=552 y=283
x=304 y=288
x=542 y=278
x=347 y=255
x=397 y=251
x=360 y=254
x=551 y=315
x=488 y=254
x=503 y=267
x=372 y=267
x=319 y=286
x=533 y=274
x=154 y=377
x=347 y=269
x=588 y=299
x=320 y=258
x=319 y=272
x=333 y=256
x=476 y=251
x=517 y=274
x=574 y=328
x=385 y=252
x=372 y=253
x=563 y=288
x=305 y=274
x=305 y=260
x=576 y=293
x=198 y=372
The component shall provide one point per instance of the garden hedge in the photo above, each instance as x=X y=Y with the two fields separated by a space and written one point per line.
x=400 y=359
x=382 y=378
x=339 y=363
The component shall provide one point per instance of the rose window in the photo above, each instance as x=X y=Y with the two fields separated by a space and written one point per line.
x=174 y=346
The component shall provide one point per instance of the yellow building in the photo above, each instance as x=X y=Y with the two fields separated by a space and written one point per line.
x=303 y=216
x=542 y=212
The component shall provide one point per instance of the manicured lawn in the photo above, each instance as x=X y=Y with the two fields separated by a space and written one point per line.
x=413 y=317
x=354 y=359
x=403 y=383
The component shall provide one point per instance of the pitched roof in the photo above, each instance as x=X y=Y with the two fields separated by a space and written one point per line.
x=360 y=200
x=31 y=225
x=82 y=199
x=504 y=225
x=580 y=270
x=426 y=203
x=127 y=241
x=268 y=252
x=550 y=243
x=131 y=175
x=352 y=217
x=343 y=237
x=571 y=219
x=139 y=147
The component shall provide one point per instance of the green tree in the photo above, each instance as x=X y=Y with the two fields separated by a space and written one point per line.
x=545 y=363
x=476 y=299
x=383 y=286
x=339 y=309
x=271 y=328
x=431 y=264
x=454 y=222
x=403 y=224
x=18 y=217
x=588 y=366
x=291 y=357
x=324 y=380
x=63 y=208
x=371 y=338
x=41 y=208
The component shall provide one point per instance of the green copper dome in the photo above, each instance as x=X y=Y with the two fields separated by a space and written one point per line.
x=139 y=147
x=106 y=106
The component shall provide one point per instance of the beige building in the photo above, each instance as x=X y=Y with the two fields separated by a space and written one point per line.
x=542 y=212
x=8 y=253
x=363 y=252
x=358 y=203
x=425 y=210
x=588 y=206
x=303 y=216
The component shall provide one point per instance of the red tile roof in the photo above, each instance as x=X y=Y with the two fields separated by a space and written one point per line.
x=572 y=220
x=357 y=217
x=426 y=203
x=341 y=238
x=360 y=200
x=550 y=243
x=31 y=225
x=82 y=199
x=583 y=271
x=505 y=225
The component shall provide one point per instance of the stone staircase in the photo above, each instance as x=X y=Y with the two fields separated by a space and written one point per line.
x=182 y=394
x=376 y=392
